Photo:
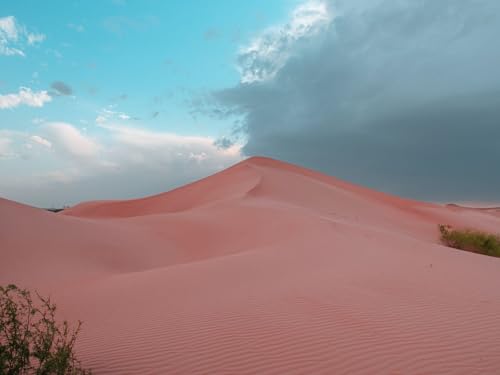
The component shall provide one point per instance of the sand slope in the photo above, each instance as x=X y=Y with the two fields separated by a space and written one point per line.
x=263 y=268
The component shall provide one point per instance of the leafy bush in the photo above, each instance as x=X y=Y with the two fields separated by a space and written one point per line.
x=31 y=342
x=470 y=240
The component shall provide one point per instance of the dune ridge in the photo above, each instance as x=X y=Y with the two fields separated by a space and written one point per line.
x=265 y=267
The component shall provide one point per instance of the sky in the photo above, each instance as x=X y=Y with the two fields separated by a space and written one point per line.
x=117 y=99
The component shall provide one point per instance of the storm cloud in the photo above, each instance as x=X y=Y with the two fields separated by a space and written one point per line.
x=402 y=96
x=61 y=89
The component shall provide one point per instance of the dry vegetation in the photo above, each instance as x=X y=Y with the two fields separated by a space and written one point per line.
x=471 y=240
x=31 y=341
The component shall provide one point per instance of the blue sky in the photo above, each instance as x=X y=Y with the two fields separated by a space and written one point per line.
x=132 y=64
x=116 y=99
x=142 y=57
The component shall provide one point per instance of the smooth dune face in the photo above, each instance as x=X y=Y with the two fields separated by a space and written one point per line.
x=264 y=268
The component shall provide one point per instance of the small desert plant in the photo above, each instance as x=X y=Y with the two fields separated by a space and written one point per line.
x=31 y=342
x=471 y=240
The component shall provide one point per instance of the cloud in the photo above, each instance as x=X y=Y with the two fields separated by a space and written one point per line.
x=142 y=138
x=108 y=114
x=105 y=162
x=19 y=147
x=76 y=27
x=5 y=150
x=61 y=88
x=35 y=38
x=68 y=139
x=41 y=141
x=268 y=52
x=38 y=120
x=399 y=96
x=14 y=37
x=223 y=143
x=25 y=96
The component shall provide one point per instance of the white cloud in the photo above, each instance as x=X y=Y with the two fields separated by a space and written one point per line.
x=25 y=96
x=100 y=119
x=107 y=114
x=5 y=147
x=14 y=37
x=128 y=145
x=69 y=139
x=38 y=120
x=35 y=38
x=40 y=141
x=268 y=53
x=107 y=162
x=8 y=28
x=146 y=138
x=152 y=149
x=199 y=157
x=123 y=116
x=19 y=145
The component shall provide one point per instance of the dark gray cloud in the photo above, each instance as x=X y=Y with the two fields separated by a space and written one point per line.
x=224 y=143
x=61 y=89
x=402 y=96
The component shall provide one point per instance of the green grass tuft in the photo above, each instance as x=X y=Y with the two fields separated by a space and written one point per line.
x=471 y=240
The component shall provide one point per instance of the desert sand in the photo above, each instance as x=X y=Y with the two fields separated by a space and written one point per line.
x=263 y=268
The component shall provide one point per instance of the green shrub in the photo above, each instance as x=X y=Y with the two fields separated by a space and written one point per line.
x=31 y=342
x=471 y=240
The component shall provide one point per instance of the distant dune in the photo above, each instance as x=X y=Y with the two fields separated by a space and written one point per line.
x=492 y=209
x=263 y=268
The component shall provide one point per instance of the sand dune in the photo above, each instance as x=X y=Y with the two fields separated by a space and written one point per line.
x=263 y=268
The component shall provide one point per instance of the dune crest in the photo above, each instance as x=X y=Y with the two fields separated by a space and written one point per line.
x=267 y=268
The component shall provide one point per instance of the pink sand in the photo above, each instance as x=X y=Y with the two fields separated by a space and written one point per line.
x=264 y=268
